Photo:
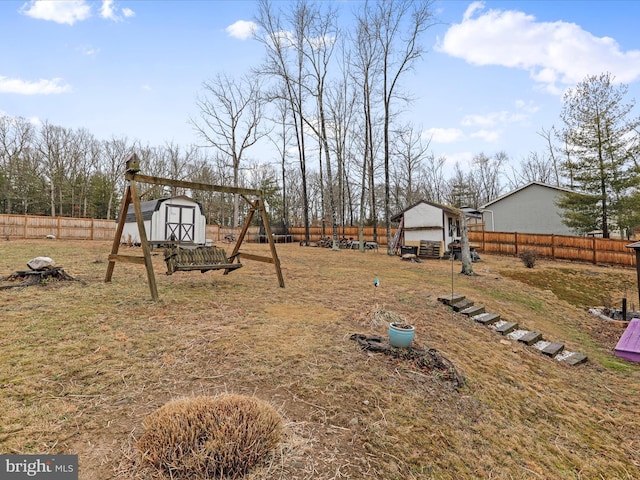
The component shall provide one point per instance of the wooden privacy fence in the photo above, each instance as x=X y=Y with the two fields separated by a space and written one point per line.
x=557 y=247
x=560 y=247
x=67 y=228
x=315 y=233
x=32 y=226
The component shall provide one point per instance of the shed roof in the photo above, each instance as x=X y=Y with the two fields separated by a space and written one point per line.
x=446 y=208
x=150 y=206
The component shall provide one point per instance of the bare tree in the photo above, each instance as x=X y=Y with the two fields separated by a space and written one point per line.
x=318 y=47
x=286 y=63
x=53 y=146
x=548 y=135
x=365 y=70
x=534 y=168
x=281 y=140
x=485 y=177
x=231 y=111
x=430 y=178
x=16 y=135
x=410 y=151
x=398 y=24
x=115 y=151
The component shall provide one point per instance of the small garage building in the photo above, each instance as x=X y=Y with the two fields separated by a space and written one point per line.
x=178 y=219
x=428 y=227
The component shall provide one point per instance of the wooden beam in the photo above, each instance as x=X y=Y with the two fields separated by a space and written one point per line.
x=257 y=258
x=190 y=185
x=126 y=258
x=272 y=245
x=126 y=201
x=146 y=250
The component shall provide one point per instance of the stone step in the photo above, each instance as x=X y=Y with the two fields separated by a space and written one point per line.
x=452 y=298
x=506 y=327
x=574 y=358
x=553 y=349
x=530 y=338
x=473 y=310
x=487 y=318
x=550 y=349
x=461 y=305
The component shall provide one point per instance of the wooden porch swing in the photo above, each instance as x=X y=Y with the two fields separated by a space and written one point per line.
x=202 y=258
x=177 y=257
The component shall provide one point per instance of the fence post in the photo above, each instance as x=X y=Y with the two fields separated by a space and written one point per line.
x=593 y=246
x=553 y=246
x=25 y=225
x=515 y=239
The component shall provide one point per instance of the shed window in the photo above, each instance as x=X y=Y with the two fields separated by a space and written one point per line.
x=454 y=227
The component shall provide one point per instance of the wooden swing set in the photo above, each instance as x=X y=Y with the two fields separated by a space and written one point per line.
x=201 y=258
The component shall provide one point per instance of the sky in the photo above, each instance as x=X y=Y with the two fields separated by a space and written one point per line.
x=492 y=76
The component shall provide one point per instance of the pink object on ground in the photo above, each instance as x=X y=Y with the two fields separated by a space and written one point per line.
x=628 y=346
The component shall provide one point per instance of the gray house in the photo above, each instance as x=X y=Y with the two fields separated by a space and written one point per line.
x=528 y=209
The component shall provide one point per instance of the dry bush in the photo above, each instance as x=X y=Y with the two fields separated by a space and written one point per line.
x=210 y=437
x=529 y=258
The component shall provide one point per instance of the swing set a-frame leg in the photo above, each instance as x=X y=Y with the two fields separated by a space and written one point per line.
x=131 y=196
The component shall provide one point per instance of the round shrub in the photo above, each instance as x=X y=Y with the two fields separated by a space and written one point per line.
x=210 y=437
x=529 y=258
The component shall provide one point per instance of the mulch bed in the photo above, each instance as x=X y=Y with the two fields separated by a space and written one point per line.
x=426 y=360
x=37 y=277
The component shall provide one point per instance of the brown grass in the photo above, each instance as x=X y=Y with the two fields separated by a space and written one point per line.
x=81 y=367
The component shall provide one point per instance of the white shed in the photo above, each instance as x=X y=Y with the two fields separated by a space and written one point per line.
x=167 y=219
x=429 y=225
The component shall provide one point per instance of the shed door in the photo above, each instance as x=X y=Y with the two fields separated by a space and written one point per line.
x=180 y=225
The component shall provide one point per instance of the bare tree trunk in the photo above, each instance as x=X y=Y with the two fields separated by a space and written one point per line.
x=467 y=264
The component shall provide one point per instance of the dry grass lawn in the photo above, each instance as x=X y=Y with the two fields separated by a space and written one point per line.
x=81 y=366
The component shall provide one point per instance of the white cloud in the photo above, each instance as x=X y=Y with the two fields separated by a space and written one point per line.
x=493 y=118
x=72 y=11
x=108 y=12
x=241 y=29
x=41 y=87
x=490 y=136
x=59 y=11
x=443 y=135
x=555 y=54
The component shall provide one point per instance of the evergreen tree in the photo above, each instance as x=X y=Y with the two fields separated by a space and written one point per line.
x=601 y=140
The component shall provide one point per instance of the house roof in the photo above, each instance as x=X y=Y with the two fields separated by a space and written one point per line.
x=540 y=184
x=446 y=208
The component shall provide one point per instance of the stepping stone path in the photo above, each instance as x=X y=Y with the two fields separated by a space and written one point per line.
x=461 y=304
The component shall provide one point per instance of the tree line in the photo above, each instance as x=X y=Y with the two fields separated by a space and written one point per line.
x=329 y=99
